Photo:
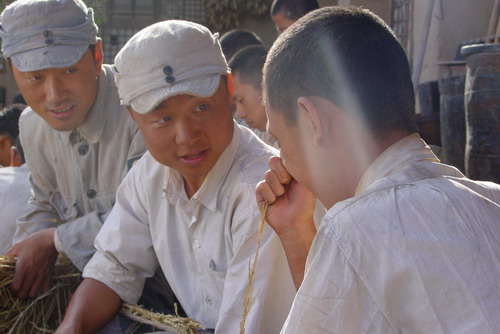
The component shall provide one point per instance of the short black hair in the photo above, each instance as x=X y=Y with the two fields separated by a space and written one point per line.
x=293 y=9
x=9 y=120
x=18 y=98
x=248 y=63
x=236 y=39
x=349 y=56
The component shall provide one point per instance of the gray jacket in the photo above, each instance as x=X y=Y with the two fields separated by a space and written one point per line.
x=74 y=174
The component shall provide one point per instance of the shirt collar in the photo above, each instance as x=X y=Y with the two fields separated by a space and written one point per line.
x=93 y=126
x=399 y=156
x=208 y=194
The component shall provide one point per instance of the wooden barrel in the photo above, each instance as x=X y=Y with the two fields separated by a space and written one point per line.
x=452 y=113
x=482 y=111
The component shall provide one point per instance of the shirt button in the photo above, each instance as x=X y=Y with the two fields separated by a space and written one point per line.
x=196 y=244
x=208 y=300
x=91 y=194
x=168 y=70
x=212 y=265
x=49 y=41
x=170 y=79
x=84 y=149
x=47 y=33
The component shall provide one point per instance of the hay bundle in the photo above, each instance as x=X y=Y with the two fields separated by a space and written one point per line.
x=44 y=313
x=27 y=316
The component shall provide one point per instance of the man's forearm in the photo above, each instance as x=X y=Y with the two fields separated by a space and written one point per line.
x=92 y=306
x=297 y=244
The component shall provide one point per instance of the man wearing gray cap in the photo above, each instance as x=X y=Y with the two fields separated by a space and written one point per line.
x=188 y=205
x=77 y=137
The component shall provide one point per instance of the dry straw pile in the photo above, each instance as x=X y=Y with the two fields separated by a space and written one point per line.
x=44 y=313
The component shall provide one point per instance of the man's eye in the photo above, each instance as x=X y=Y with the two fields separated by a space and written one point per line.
x=70 y=70
x=35 y=77
x=202 y=107
x=164 y=120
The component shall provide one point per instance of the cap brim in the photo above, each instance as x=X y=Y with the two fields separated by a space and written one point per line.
x=203 y=86
x=56 y=56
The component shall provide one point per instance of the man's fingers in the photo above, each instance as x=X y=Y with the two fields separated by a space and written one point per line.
x=274 y=183
x=33 y=289
x=21 y=283
x=276 y=165
x=12 y=251
x=264 y=194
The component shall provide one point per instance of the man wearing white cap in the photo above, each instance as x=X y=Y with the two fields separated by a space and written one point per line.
x=78 y=139
x=188 y=205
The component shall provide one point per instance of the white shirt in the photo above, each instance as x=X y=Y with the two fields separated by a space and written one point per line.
x=14 y=194
x=417 y=250
x=267 y=138
x=203 y=244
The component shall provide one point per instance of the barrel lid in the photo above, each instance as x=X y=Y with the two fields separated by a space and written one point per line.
x=451 y=63
x=468 y=50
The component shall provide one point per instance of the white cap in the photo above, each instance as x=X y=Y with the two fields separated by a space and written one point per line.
x=168 y=58
x=41 y=34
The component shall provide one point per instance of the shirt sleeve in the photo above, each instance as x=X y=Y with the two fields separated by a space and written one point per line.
x=125 y=256
x=41 y=214
x=332 y=297
x=273 y=288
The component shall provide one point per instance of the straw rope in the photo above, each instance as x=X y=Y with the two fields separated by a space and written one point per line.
x=247 y=299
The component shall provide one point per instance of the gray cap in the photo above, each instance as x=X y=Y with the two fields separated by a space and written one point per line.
x=41 y=34
x=168 y=58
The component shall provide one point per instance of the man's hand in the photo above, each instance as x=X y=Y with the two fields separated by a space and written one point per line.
x=290 y=214
x=36 y=257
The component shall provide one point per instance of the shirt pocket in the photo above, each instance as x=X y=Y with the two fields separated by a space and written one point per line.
x=67 y=209
x=217 y=272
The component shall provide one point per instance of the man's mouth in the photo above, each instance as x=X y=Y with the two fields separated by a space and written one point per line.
x=195 y=158
x=61 y=110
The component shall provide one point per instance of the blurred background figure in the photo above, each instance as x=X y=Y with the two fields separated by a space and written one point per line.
x=18 y=98
x=246 y=66
x=14 y=180
x=285 y=12
x=236 y=39
x=233 y=41
x=9 y=130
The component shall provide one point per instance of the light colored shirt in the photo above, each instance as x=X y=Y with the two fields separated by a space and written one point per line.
x=14 y=194
x=204 y=244
x=267 y=138
x=74 y=174
x=417 y=250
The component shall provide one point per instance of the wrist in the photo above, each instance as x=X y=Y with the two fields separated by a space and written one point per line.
x=48 y=237
x=298 y=236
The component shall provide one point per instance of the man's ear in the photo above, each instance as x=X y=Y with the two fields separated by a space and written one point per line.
x=4 y=140
x=310 y=109
x=130 y=113
x=15 y=157
x=98 y=56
